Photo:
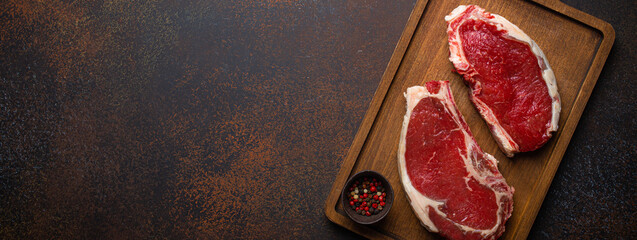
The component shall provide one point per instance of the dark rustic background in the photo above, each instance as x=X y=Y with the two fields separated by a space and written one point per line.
x=229 y=119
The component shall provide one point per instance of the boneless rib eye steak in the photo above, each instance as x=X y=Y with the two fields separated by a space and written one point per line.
x=454 y=188
x=512 y=84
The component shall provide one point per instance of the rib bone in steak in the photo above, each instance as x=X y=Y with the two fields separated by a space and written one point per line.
x=512 y=84
x=453 y=187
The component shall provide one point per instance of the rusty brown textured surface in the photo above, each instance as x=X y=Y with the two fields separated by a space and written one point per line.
x=229 y=119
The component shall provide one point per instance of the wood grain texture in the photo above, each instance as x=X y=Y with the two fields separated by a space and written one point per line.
x=203 y=119
x=182 y=119
x=576 y=46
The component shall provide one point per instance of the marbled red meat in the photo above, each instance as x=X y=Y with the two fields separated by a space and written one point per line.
x=453 y=187
x=512 y=84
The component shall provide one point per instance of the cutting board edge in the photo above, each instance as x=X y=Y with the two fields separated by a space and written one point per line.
x=603 y=50
x=367 y=124
x=607 y=40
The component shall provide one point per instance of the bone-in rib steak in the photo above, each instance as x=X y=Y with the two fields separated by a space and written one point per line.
x=512 y=84
x=453 y=187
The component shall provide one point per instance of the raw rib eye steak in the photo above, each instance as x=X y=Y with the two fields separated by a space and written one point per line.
x=512 y=84
x=454 y=188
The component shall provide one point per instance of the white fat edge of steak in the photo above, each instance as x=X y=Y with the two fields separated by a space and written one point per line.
x=459 y=60
x=420 y=203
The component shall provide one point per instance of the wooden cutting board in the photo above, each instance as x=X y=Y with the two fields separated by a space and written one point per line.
x=576 y=45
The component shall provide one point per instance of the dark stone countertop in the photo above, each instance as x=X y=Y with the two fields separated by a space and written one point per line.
x=230 y=119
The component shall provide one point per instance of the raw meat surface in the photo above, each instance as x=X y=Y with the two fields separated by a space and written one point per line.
x=511 y=82
x=453 y=187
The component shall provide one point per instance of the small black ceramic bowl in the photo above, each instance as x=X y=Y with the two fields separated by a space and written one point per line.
x=345 y=198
